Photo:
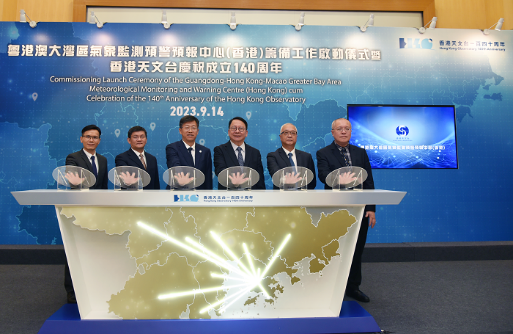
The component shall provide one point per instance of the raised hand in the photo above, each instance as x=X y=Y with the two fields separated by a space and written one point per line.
x=238 y=178
x=183 y=179
x=74 y=179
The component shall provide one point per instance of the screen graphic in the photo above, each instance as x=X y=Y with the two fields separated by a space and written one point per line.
x=405 y=136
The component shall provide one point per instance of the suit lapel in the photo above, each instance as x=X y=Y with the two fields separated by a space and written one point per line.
x=186 y=154
x=230 y=153
x=135 y=159
x=284 y=157
x=338 y=156
x=86 y=161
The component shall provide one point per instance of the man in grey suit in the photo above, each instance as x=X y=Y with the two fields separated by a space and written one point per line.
x=288 y=156
x=341 y=154
x=87 y=158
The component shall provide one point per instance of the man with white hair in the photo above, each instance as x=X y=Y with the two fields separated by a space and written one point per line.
x=342 y=154
x=288 y=156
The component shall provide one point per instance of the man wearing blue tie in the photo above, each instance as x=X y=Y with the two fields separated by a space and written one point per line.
x=288 y=156
x=187 y=152
x=87 y=158
x=136 y=156
x=237 y=153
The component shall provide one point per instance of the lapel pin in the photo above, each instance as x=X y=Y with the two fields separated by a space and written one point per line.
x=200 y=151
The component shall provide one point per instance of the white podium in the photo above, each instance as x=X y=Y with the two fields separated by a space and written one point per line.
x=209 y=254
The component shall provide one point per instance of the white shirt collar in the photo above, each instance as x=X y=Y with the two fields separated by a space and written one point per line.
x=187 y=146
x=89 y=155
x=137 y=153
x=287 y=152
x=243 y=146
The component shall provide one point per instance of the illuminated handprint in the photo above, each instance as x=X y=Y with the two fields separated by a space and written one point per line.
x=128 y=178
x=292 y=178
x=74 y=179
x=183 y=178
x=238 y=178
x=346 y=178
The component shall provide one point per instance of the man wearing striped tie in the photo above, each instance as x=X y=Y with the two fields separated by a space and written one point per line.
x=136 y=156
x=288 y=156
x=341 y=154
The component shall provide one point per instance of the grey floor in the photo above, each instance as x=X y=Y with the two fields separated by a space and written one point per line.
x=406 y=297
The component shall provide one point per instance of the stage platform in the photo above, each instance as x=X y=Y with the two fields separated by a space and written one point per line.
x=353 y=319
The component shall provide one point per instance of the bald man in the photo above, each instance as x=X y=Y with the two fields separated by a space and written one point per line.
x=287 y=154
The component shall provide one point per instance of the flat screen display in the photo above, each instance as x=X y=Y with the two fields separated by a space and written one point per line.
x=402 y=136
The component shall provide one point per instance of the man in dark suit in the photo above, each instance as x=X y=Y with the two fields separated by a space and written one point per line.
x=136 y=156
x=237 y=153
x=287 y=155
x=340 y=154
x=87 y=158
x=187 y=152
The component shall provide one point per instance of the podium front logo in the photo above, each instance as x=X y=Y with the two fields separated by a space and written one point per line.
x=186 y=198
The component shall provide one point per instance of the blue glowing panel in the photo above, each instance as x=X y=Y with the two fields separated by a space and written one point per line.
x=405 y=136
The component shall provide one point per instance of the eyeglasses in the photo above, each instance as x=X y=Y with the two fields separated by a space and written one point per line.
x=347 y=129
x=240 y=129
x=289 y=133
x=91 y=137
x=138 y=137
x=190 y=128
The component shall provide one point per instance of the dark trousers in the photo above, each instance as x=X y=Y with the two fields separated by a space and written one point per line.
x=68 y=283
x=355 y=274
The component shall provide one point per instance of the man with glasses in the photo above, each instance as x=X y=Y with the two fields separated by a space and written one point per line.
x=187 y=152
x=341 y=154
x=87 y=158
x=237 y=153
x=136 y=156
x=288 y=156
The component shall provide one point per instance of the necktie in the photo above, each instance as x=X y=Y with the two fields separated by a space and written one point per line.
x=95 y=172
x=190 y=151
x=239 y=156
x=141 y=156
x=292 y=162
x=344 y=154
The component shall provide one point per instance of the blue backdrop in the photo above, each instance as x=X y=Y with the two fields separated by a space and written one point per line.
x=59 y=77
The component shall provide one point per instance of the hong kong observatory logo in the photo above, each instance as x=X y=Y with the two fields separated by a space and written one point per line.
x=402 y=130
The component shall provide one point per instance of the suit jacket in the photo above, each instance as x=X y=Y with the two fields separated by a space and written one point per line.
x=129 y=158
x=329 y=159
x=278 y=159
x=177 y=155
x=224 y=157
x=80 y=159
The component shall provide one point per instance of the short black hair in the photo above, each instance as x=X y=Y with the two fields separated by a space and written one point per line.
x=91 y=127
x=187 y=119
x=136 y=128
x=239 y=119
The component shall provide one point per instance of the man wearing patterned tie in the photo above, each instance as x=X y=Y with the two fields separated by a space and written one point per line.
x=340 y=154
x=288 y=156
x=87 y=158
x=187 y=152
x=237 y=153
x=136 y=156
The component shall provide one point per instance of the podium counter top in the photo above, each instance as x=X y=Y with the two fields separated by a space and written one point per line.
x=205 y=198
